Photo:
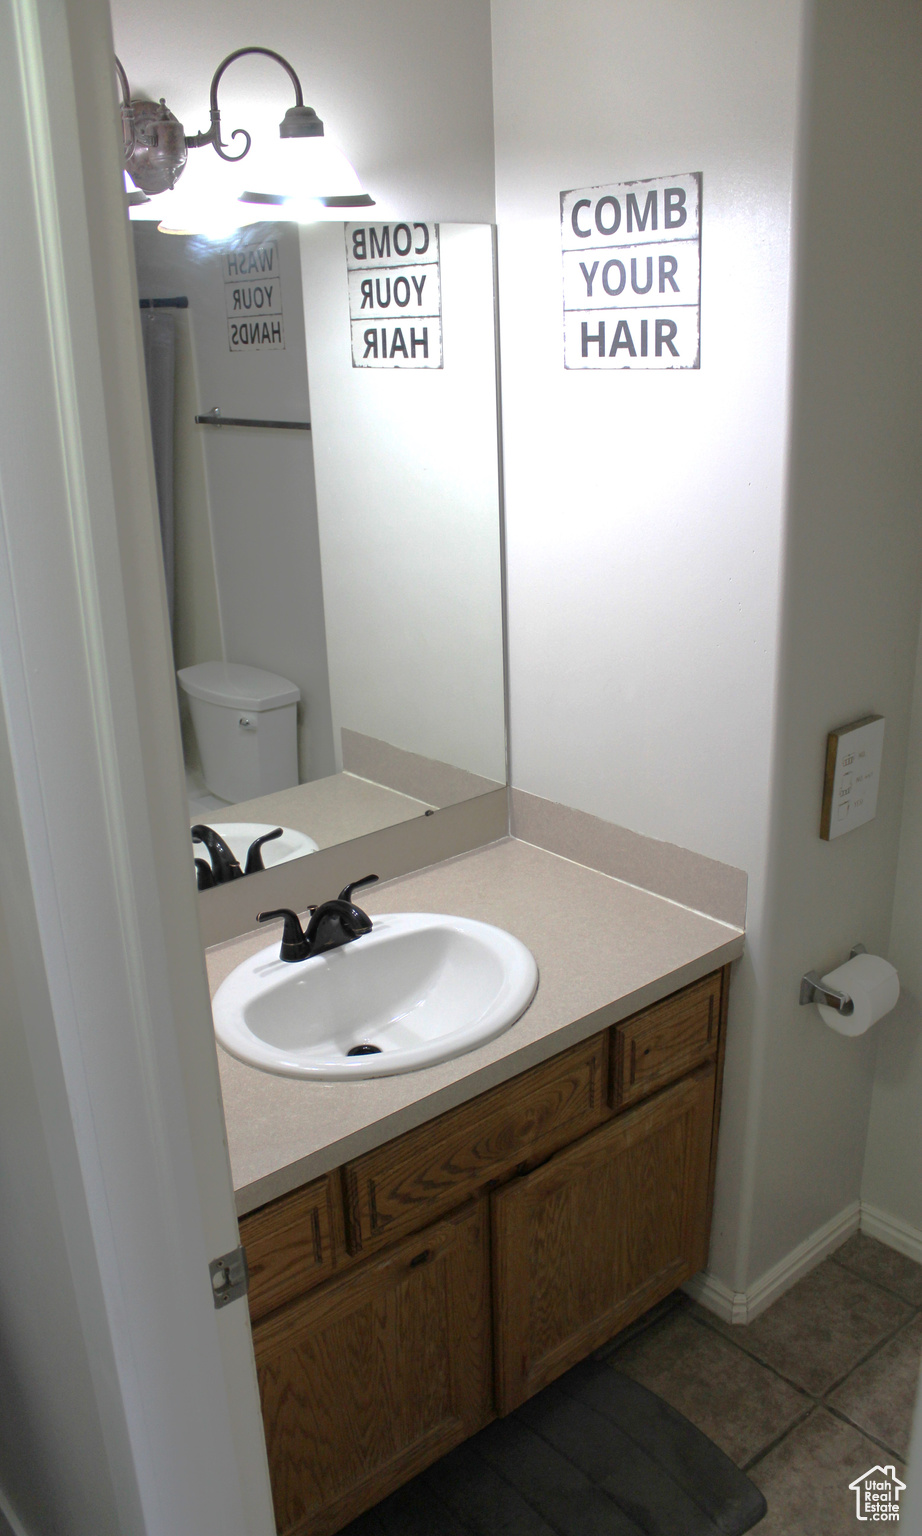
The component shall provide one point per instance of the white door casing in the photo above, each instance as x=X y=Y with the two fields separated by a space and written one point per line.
x=126 y=1069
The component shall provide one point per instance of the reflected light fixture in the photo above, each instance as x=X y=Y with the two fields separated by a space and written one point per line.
x=299 y=177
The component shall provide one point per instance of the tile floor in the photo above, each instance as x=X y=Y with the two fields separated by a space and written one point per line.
x=810 y=1395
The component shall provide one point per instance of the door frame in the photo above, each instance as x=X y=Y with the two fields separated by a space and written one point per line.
x=124 y=1060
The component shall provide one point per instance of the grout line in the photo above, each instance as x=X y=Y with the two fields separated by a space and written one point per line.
x=881 y=1444
x=817 y=1397
x=814 y=1401
x=773 y=1444
x=766 y=1365
x=859 y=1275
x=874 y=1350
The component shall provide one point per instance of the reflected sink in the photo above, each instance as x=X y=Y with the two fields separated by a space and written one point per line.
x=238 y=836
x=419 y=989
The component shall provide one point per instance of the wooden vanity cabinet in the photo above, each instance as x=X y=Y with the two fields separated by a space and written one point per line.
x=402 y=1302
x=370 y=1378
x=291 y=1244
x=599 y=1234
x=398 y=1187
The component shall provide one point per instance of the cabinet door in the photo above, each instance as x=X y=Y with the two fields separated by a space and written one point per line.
x=598 y=1234
x=370 y=1378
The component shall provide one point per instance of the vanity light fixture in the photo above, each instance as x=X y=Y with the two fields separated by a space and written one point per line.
x=303 y=175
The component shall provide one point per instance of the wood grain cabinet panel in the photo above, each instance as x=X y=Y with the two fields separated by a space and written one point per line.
x=290 y=1245
x=369 y=1379
x=595 y=1236
x=665 y=1041
x=398 y=1187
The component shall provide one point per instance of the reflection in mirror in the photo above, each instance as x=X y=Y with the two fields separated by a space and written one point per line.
x=331 y=537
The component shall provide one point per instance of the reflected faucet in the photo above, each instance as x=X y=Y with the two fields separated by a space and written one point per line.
x=224 y=865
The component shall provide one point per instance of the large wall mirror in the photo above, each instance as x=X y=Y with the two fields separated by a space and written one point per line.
x=331 y=534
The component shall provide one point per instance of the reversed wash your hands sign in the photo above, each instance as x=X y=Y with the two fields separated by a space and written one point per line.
x=632 y=274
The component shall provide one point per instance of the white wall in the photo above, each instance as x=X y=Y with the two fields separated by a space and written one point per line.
x=407 y=475
x=853 y=577
x=645 y=511
x=892 y=1181
x=684 y=549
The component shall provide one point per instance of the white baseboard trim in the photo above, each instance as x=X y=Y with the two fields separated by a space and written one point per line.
x=714 y=1296
x=891 y=1230
x=744 y=1306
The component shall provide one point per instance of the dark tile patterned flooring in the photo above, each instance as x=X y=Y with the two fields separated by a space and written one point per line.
x=810 y=1395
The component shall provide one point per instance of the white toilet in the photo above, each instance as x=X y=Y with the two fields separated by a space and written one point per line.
x=245 y=723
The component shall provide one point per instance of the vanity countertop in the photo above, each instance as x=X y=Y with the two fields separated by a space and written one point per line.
x=604 y=950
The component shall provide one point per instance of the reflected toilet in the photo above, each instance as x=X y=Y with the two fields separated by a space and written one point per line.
x=245 y=723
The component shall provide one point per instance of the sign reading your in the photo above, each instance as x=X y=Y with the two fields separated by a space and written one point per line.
x=395 y=295
x=632 y=274
x=253 y=298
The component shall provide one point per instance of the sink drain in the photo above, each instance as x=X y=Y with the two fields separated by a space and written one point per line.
x=365 y=1050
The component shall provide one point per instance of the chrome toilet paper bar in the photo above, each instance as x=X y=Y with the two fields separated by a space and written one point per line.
x=813 y=991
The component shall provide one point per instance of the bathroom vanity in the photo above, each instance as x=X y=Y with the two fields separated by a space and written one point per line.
x=450 y=1241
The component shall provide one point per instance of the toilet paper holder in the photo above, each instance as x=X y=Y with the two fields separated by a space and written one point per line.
x=813 y=991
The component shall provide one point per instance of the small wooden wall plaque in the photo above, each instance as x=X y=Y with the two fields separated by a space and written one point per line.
x=853 y=756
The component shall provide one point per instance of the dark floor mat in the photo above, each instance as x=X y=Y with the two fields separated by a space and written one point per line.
x=595 y=1454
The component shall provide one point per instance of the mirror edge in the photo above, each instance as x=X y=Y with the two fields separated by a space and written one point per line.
x=230 y=910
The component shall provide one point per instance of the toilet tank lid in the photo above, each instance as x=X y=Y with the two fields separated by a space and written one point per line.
x=242 y=687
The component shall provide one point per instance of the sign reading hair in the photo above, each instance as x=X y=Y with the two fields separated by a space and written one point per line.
x=632 y=274
x=395 y=295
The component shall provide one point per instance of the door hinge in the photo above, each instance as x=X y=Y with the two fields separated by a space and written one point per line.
x=230 y=1277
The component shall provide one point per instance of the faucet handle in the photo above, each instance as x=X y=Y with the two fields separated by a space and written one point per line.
x=254 y=861
x=346 y=892
x=294 y=941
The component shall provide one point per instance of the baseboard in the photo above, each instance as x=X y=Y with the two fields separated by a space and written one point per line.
x=892 y=1231
x=744 y=1306
x=714 y=1296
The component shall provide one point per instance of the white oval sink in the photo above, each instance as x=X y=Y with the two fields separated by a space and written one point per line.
x=238 y=836
x=420 y=987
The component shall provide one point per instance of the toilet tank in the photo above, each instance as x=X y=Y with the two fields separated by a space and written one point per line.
x=245 y=723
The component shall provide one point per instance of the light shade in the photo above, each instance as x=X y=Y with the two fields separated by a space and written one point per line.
x=205 y=202
x=301 y=168
x=304 y=180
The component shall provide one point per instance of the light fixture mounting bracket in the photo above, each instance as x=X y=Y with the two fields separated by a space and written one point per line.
x=156 y=145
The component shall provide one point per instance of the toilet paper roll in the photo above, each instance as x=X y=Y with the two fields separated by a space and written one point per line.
x=874 y=987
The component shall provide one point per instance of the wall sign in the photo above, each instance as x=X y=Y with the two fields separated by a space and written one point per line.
x=632 y=274
x=253 y=298
x=852 y=776
x=395 y=295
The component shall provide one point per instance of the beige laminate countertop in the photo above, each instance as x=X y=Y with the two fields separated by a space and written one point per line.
x=604 y=950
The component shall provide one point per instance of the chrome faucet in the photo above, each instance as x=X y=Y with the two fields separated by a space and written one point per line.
x=332 y=924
